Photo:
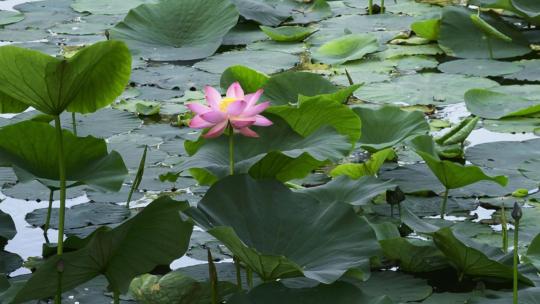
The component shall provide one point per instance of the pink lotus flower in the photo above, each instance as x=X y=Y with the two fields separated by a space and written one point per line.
x=239 y=110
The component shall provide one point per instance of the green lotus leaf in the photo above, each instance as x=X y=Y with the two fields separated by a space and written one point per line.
x=337 y=293
x=250 y=80
x=529 y=71
x=119 y=254
x=533 y=252
x=345 y=190
x=529 y=7
x=107 y=7
x=388 y=126
x=313 y=113
x=7 y=227
x=9 y=17
x=400 y=287
x=279 y=153
x=451 y=175
x=428 y=29
x=525 y=296
x=274 y=61
x=370 y=167
x=176 y=30
x=31 y=149
x=247 y=216
x=89 y=80
x=493 y=105
x=479 y=67
x=460 y=37
x=287 y=33
x=347 y=48
x=459 y=133
x=285 y=88
x=474 y=259
x=275 y=12
x=176 y=287
x=414 y=255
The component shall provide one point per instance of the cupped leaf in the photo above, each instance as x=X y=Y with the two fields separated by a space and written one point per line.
x=89 y=80
x=250 y=80
x=120 y=254
x=370 y=167
x=286 y=88
x=460 y=37
x=279 y=153
x=177 y=30
x=347 y=48
x=493 y=105
x=388 y=126
x=451 y=175
x=337 y=293
x=474 y=259
x=345 y=190
x=459 y=133
x=248 y=217
x=287 y=33
x=31 y=149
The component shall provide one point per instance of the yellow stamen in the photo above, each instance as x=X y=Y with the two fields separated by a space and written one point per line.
x=225 y=103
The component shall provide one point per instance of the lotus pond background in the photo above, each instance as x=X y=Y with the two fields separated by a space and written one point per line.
x=379 y=121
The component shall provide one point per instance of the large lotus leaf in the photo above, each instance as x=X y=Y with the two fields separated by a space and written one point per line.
x=173 y=77
x=31 y=148
x=529 y=7
x=533 y=252
x=279 y=152
x=474 y=259
x=286 y=88
x=288 y=33
x=479 y=67
x=493 y=105
x=81 y=216
x=273 y=62
x=337 y=293
x=103 y=123
x=120 y=254
x=370 y=167
x=107 y=7
x=9 y=262
x=529 y=71
x=275 y=12
x=347 y=48
x=89 y=80
x=176 y=287
x=7 y=227
x=315 y=112
x=9 y=17
x=424 y=89
x=317 y=239
x=177 y=30
x=397 y=286
x=460 y=37
x=388 y=126
x=452 y=175
x=504 y=154
x=512 y=125
x=250 y=80
x=414 y=256
x=525 y=296
x=244 y=33
x=345 y=190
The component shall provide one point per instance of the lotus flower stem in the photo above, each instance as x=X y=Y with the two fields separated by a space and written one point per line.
x=249 y=277
x=370 y=7
x=516 y=215
x=74 y=123
x=213 y=277
x=116 y=297
x=445 y=201
x=504 y=228
x=138 y=177
x=48 y=219
x=231 y=149
x=238 y=272
x=62 y=211
x=382 y=7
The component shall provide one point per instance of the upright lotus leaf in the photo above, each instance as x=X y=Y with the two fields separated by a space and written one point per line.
x=347 y=48
x=177 y=30
x=31 y=149
x=287 y=33
x=530 y=7
x=533 y=252
x=428 y=29
x=370 y=167
x=176 y=287
x=286 y=88
x=388 y=126
x=279 y=153
x=451 y=175
x=83 y=83
x=250 y=80
x=459 y=133
x=279 y=233
x=474 y=259
x=460 y=37
x=312 y=113
x=7 y=227
x=494 y=105
x=345 y=190
x=119 y=254
x=414 y=255
x=337 y=293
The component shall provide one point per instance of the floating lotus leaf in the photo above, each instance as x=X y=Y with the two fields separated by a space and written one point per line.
x=160 y=31
x=273 y=62
x=120 y=254
x=9 y=17
x=31 y=149
x=479 y=67
x=274 y=12
x=347 y=48
x=247 y=216
x=493 y=105
x=107 y=7
x=7 y=227
x=529 y=71
x=288 y=33
x=388 y=126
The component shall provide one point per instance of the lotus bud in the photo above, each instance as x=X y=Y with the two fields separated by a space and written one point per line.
x=394 y=197
x=517 y=213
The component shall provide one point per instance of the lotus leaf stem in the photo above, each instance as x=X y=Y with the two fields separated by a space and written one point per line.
x=516 y=260
x=74 y=123
x=62 y=211
x=490 y=47
x=382 y=7
x=249 y=277
x=238 y=272
x=370 y=7
x=231 y=149
x=504 y=228
x=445 y=201
x=116 y=297
x=48 y=218
x=212 y=272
